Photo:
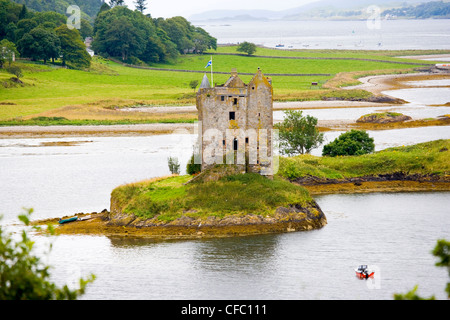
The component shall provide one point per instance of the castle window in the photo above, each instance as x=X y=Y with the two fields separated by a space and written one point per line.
x=223 y=142
x=222 y=98
x=235 y=144
x=235 y=101
x=246 y=140
x=232 y=115
x=253 y=88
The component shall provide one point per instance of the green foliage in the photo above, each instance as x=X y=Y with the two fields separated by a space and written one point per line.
x=120 y=32
x=15 y=70
x=40 y=44
x=411 y=295
x=351 y=143
x=193 y=84
x=185 y=36
x=298 y=134
x=424 y=158
x=247 y=47
x=89 y=8
x=174 y=165
x=141 y=5
x=192 y=167
x=73 y=50
x=170 y=198
x=8 y=51
x=442 y=251
x=22 y=274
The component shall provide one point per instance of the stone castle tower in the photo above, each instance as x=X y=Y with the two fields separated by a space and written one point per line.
x=236 y=123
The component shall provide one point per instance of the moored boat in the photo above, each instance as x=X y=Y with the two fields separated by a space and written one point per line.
x=363 y=272
x=62 y=221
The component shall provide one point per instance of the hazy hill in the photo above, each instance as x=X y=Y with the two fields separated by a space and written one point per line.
x=323 y=9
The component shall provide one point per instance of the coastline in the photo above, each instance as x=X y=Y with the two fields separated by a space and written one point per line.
x=287 y=220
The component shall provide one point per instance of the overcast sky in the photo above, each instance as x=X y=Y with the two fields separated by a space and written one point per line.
x=185 y=8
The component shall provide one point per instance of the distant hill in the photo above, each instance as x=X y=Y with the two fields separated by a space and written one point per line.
x=435 y=9
x=323 y=9
x=89 y=7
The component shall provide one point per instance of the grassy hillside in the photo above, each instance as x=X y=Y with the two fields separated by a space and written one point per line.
x=109 y=85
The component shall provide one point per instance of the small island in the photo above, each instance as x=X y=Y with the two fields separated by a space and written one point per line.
x=219 y=202
x=383 y=117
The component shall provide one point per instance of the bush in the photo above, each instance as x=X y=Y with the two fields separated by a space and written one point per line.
x=247 y=47
x=23 y=276
x=174 y=165
x=15 y=70
x=193 y=168
x=351 y=143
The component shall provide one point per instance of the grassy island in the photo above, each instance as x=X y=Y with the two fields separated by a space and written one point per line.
x=423 y=166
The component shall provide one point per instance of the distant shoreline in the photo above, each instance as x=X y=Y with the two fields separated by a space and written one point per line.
x=374 y=84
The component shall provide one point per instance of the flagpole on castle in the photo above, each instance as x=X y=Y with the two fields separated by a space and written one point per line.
x=212 y=80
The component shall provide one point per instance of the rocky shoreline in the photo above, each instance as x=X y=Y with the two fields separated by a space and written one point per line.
x=395 y=182
x=114 y=223
x=286 y=219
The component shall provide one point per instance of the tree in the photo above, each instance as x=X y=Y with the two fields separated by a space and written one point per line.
x=141 y=5
x=8 y=52
x=298 y=134
x=247 y=47
x=193 y=84
x=15 y=70
x=22 y=274
x=351 y=143
x=40 y=44
x=23 y=12
x=73 y=50
x=174 y=165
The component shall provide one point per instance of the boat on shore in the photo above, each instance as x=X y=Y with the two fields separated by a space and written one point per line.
x=62 y=221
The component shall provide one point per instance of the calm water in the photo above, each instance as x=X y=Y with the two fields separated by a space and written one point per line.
x=394 y=233
x=424 y=102
x=392 y=34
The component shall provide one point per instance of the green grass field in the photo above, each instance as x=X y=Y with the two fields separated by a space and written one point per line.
x=109 y=84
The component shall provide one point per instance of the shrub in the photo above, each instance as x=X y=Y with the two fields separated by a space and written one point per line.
x=23 y=275
x=174 y=165
x=247 y=47
x=351 y=143
x=193 y=168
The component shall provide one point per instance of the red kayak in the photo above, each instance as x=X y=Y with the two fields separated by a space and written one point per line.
x=363 y=272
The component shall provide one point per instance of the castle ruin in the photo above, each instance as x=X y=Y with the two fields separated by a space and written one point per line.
x=236 y=123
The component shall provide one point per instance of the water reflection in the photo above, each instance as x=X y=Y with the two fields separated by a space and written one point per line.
x=237 y=253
